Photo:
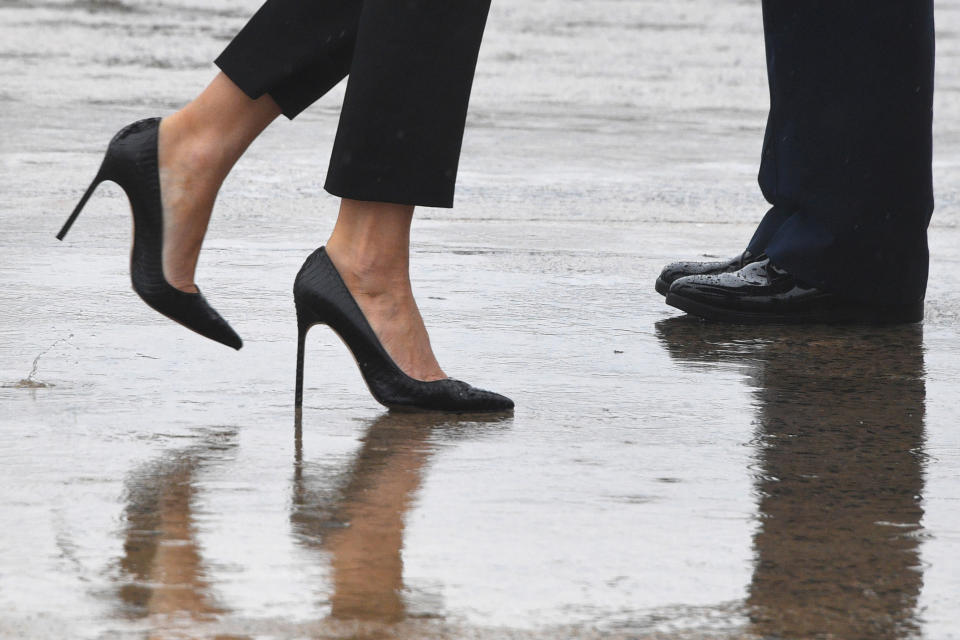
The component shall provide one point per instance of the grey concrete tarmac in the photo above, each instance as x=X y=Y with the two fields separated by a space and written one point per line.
x=660 y=478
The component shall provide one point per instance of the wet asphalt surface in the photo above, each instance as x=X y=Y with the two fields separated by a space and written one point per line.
x=661 y=477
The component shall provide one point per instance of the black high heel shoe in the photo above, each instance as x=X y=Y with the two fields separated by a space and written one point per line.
x=131 y=162
x=321 y=297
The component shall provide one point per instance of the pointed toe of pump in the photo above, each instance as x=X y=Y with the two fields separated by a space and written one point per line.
x=227 y=336
x=499 y=402
x=474 y=399
x=496 y=402
x=190 y=310
x=205 y=320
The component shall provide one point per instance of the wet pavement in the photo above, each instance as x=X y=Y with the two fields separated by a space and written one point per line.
x=660 y=478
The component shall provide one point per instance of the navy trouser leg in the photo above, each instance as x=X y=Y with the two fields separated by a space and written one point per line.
x=847 y=154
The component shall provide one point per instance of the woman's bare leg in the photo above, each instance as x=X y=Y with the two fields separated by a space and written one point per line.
x=370 y=247
x=370 y=244
x=197 y=147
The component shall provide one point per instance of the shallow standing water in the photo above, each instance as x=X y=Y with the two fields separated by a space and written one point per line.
x=660 y=477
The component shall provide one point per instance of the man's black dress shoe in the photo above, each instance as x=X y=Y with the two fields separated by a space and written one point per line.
x=763 y=293
x=676 y=270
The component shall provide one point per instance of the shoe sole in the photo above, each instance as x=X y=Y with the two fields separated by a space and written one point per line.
x=849 y=314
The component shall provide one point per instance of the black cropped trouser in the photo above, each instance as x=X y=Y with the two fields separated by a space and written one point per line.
x=847 y=156
x=411 y=65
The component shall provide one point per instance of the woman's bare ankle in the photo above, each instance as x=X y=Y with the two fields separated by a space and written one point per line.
x=370 y=249
x=367 y=273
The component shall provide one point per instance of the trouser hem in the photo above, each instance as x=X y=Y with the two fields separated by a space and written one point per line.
x=373 y=190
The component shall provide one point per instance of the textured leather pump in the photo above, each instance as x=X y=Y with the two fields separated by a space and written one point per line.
x=131 y=162
x=321 y=297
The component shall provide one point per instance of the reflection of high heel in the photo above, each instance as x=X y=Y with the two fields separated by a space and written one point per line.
x=131 y=162
x=321 y=297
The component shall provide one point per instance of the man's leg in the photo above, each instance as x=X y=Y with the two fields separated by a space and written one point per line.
x=849 y=151
x=846 y=164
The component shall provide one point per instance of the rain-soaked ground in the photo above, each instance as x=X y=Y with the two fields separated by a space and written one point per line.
x=660 y=477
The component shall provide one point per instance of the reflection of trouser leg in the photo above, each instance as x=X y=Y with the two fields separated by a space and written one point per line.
x=411 y=65
x=839 y=473
x=847 y=154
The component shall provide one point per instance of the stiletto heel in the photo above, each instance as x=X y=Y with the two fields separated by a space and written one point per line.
x=83 y=201
x=131 y=162
x=303 y=325
x=321 y=297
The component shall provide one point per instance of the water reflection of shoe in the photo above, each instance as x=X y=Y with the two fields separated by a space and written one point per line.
x=676 y=270
x=761 y=292
x=131 y=162
x=321 y=297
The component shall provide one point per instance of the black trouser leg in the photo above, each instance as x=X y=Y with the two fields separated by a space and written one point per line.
x=411 y=66
x=294 y=50
x=847 y=154
x=403 y=115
